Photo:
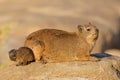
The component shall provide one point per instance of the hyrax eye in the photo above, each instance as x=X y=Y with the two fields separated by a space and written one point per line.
x=88 y=29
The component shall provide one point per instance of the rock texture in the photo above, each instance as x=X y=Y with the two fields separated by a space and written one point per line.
x=106 y=69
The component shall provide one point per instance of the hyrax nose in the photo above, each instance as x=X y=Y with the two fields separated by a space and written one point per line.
x=97 y=30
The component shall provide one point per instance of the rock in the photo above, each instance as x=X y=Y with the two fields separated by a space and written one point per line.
x=106 y=69
x=115 y=52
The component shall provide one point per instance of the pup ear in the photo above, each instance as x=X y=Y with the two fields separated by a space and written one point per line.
x=80 y=28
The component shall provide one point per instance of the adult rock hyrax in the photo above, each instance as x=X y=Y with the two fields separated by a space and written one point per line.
x=22 y=56
x=52 y=45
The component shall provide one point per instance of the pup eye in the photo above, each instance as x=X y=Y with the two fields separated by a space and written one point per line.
x=88 y=29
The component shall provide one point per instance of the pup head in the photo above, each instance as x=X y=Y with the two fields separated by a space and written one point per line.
x=12 y=55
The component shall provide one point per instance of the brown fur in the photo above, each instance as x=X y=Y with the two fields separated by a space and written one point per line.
x=53 y=45
x=22 y=56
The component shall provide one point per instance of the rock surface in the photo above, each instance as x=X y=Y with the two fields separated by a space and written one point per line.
x=115 y=52
x=106 y=69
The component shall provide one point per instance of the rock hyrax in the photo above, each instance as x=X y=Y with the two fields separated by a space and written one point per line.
x=22 y=56
x=52 y=45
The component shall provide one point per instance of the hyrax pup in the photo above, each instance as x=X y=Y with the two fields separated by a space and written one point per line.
x=52 y=45
x=22 y=56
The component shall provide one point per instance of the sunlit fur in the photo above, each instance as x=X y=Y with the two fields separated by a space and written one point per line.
x=52 y=45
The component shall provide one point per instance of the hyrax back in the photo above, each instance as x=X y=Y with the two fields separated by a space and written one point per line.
x=53 y=45
x=22 y=56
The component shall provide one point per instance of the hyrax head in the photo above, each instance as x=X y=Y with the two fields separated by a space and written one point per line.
x=12 y=55
x=89 y=31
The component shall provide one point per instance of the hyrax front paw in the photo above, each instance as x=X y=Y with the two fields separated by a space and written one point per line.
x=91 y=58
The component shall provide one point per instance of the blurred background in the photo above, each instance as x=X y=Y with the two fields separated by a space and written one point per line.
x=18 y=18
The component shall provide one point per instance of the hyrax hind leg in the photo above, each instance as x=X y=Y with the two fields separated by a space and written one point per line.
x=37 y=47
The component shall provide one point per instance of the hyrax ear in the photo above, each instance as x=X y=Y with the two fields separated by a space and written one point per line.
x=80 y=28
x=89 y=23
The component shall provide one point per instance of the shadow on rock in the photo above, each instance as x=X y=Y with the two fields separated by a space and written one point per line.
x=101 y=55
